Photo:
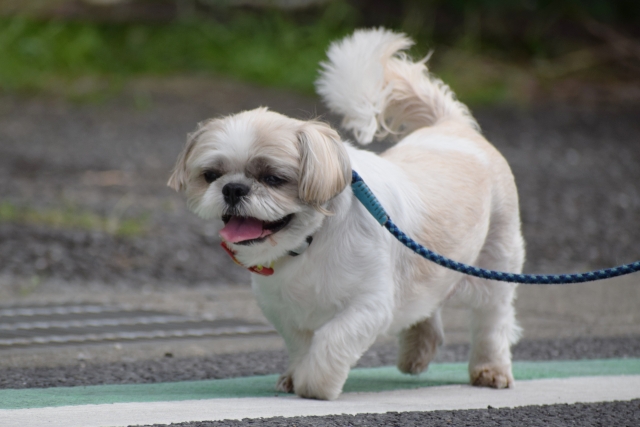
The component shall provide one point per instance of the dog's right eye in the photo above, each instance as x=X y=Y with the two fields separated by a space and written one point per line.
x=210 y=176
x=273 y=181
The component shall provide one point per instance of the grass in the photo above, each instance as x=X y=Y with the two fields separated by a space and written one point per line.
x=267 y=48
x=83 y=60
x=73 y=218
x=88 y=60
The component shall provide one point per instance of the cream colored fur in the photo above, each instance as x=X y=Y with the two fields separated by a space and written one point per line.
x=443 y=184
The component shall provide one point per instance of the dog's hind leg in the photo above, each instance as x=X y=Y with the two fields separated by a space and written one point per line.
x=493 y=324
x=493 y=330
x=419 y=344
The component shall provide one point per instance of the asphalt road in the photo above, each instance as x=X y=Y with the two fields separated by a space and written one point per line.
x=577 y=171
x=622 y=414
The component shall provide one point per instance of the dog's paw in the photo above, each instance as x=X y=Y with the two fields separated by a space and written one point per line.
x=419 y=345
x=492 y=376
x=322 y=381
x=415 y=360
x=316 y=388
x=285 y=383
x=413 y=366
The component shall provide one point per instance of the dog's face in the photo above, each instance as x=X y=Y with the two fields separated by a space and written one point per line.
x=266 y=176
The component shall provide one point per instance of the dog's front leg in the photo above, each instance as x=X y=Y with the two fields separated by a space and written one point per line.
x=337 y=346
x=298 y=343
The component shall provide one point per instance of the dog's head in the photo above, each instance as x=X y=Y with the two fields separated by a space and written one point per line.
x=268 y=177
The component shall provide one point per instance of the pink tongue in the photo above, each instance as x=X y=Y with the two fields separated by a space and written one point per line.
x=239 y=229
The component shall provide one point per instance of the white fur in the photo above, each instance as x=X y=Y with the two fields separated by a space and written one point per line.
x=352 y=82
x=446 y=143
x=367 y=74
x=444 y=185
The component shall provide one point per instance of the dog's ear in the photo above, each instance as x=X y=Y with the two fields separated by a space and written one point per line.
x=180 y=174
x=325 y=169
x=178 y=178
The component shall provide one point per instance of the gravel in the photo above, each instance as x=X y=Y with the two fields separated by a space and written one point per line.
x=577 y=171
x=577 y=174
x=113 y=160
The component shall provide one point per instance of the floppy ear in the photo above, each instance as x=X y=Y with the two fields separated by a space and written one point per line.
x=180 y=175
x=178 y=178
x=325 y=169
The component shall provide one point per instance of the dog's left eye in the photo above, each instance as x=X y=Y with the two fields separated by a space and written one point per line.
x=273 y=181
x=210 y=176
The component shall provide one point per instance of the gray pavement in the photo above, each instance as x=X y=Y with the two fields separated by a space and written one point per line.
x=595 y=310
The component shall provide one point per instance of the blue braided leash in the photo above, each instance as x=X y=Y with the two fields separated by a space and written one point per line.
x=371 y=203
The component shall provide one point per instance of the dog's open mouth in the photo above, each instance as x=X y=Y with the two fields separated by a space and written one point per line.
x=247 y=230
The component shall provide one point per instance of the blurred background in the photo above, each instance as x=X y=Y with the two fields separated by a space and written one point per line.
x=488 y=50
x=97 y=97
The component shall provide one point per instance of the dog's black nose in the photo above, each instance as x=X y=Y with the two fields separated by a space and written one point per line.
x=234 y=192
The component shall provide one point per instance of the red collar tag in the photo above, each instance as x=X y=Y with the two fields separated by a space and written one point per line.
x=258 y=269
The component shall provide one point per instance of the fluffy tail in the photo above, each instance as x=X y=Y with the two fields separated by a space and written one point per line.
x=378 y=89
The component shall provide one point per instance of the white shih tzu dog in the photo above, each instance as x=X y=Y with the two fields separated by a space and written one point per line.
x=324 y=272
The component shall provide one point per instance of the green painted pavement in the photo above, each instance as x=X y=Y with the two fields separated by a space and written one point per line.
x=360 y=380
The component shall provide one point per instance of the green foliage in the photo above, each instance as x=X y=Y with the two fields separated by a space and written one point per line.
x=270 y=48
x=283 y=49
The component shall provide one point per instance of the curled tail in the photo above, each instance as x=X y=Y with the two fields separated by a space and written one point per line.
x=378 y=89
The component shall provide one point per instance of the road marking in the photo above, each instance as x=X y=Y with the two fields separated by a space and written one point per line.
x=68 y=309
x=66 y=324
x=83 y=323
x=452 y=397
x=138 y=335
x=360 y=380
